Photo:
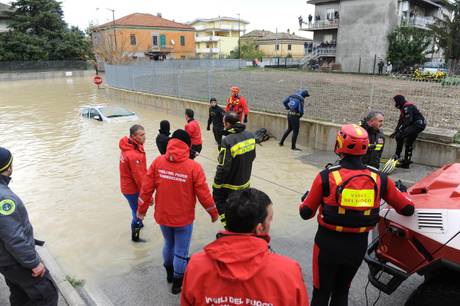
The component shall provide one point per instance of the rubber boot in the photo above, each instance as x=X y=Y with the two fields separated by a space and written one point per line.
x=169 y=273
x=177 y=285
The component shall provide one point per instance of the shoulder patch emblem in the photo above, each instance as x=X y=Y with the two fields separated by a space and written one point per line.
x=7 y=207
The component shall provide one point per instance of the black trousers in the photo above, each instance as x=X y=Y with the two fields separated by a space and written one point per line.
x=336 y=259
x=26 y=290
x=293 y=126
x=218 y=133
x=195 y=149
x=220 y=196
x=407 y=137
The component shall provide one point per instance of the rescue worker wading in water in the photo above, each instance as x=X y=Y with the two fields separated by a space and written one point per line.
x=237 y=104
x=348 y=196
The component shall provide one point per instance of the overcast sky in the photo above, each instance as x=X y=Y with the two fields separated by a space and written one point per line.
x=261 y=14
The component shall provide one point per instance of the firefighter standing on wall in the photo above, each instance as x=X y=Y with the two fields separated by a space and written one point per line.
x=373 y=125
x=236 y=155
x=237 y=104
x=348 y=196
x=411 y=123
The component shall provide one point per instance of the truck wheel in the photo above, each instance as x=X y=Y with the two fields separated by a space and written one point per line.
x=439 y=290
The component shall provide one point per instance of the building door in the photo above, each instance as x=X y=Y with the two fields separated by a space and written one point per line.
x=162 y=41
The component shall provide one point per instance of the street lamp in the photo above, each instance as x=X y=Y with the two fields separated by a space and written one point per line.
x=113 y=24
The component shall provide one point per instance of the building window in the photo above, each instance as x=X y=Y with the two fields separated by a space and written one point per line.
x=208 y=46
x=162 y=41
x=289 y=47
x=182 y=40
x=277 y=47
x=330 y=14
x=133 y=39
x=155 y=40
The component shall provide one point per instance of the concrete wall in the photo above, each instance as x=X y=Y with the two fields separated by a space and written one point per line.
x=314 y=134
x=17 y=76
x=269 y=50
x=364 y=26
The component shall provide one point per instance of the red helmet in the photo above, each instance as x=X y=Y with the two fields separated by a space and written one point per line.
x=352 y=140
x=235 y=90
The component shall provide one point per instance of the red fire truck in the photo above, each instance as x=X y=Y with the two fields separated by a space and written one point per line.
x=428 y=243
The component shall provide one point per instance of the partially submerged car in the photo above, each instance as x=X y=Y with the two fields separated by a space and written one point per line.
x=427 y=243
x=107 y=113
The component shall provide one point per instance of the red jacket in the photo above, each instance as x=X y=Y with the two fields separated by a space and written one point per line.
x=177 y=181
x=193 y=129
x=239 y=269
x=133 y=165
x=316 y=199
x=237 y=105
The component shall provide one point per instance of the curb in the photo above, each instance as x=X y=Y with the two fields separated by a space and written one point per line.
x=69 y=293
x=89 y=295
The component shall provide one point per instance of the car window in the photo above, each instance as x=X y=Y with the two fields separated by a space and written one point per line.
x=84 y=112
x=93 y=112
x=115 y=111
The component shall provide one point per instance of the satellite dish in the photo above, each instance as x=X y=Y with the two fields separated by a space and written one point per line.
x=172 y=42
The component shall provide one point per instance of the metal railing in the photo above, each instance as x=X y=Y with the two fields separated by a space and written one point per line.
x=321 y=25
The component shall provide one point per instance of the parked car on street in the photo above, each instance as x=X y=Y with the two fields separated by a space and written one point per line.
x=434 y=67
x=107 y=113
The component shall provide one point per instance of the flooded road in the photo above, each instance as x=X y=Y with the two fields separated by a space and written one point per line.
x=66 y=172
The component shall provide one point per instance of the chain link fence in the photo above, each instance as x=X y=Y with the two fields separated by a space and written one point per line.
x=335 y=97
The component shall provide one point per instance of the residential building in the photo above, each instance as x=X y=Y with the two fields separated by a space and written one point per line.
x=4 y=10
x=277 y=44
x=353 y=33
x=216 y=37
x=140 y=35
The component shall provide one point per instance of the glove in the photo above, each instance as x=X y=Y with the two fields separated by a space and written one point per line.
x=208 y=128
x=305 y=195
x=245 y=119
x=401 y=186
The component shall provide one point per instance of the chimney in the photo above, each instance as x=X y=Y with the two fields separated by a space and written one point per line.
x=159 y=14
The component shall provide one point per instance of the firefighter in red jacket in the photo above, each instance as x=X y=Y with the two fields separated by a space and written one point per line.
x=348 y=196
x=192 y=127
x=133 y=166
x=237 y=104
x=239 y=268
x=176 y=181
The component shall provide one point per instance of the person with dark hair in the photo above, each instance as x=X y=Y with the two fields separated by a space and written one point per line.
x=29 y=281
x=380 y=65
x=235 y=159
x=163 y=136
x=310 y=18
x=410 y=124
x=240 y=264
x=348 y=196
x=294 y=106
x=373 y=125
x=216 y=117
x=237 y=103
x=133 y=166
x=176 y=181
x=192 y=127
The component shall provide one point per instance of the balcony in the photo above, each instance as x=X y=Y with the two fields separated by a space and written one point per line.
x=421 y=22
x=221 y=28
x=162 y=48
x=321 y=25
x=206 y=38
x=208 y=50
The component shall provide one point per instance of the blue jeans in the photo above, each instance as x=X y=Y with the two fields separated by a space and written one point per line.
x=132 y=200
x=175 y=248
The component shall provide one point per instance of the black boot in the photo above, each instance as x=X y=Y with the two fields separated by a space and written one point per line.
x=177 y=285
x=135 y=232
x=169 y=273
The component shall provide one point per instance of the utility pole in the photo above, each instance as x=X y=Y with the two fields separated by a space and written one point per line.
x=113 y=25
x=239 y=41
